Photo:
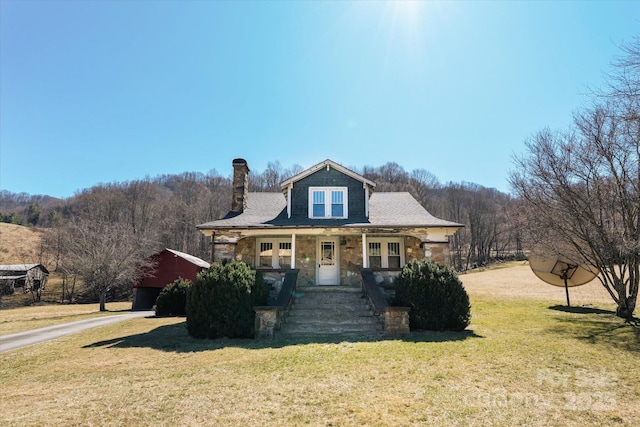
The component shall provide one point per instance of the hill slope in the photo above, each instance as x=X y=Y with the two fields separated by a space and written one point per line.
x=21 y=245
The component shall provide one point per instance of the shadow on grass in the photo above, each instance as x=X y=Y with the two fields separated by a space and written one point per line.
x=174 y=338
x=581 y=310
x=598 y=326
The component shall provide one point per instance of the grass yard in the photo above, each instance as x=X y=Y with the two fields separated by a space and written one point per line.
x=524 y=361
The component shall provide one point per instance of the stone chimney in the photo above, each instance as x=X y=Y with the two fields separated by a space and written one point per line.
x=240 y=185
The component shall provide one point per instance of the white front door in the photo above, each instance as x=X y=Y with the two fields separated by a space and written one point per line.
x=328 y=272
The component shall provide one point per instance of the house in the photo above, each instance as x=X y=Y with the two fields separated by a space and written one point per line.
x=27 y=277
x=328 y=229
x=170 y=265
x=329 y=224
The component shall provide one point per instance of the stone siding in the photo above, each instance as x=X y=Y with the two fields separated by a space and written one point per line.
x=350 y=260
x=306 y=260
x=246 y=251
x=438 y=252
x=223 y=251
x=412 y=249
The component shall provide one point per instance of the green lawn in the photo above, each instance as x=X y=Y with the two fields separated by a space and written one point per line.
x=522 y=363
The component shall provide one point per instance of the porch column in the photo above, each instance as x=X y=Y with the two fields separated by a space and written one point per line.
x=213 y=251
x=293 y=251
x=426 y=247
x=365 y=259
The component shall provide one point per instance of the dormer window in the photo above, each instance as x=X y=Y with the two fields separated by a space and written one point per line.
x=328 y=202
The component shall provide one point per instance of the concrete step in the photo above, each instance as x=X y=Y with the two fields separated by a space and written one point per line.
x=334 y=322
x=330 y=306
x=328 y=289
x=330 y=310
x=338 y=296
x=330 y=329
x=363 y=311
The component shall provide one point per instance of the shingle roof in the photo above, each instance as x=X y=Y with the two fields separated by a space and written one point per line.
x=401 y=209
x=261 y=208
x=385 y=210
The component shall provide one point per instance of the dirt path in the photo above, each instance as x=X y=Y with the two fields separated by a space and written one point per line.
x=34 y=336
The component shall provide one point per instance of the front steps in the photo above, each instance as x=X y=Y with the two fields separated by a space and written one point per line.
x=330 y=310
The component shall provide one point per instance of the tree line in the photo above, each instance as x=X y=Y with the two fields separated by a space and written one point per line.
x=165 y=209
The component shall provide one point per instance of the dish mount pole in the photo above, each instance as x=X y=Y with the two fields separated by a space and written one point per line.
x=565 y=276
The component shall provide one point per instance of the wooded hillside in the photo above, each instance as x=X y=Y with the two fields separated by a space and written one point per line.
x=166 y=209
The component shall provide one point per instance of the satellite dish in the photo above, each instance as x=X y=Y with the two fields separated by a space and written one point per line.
x=558 y=270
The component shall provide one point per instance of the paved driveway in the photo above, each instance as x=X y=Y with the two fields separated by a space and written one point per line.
x=34 y=336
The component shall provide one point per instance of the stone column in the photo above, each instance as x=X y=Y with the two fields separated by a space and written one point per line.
x=266 y=322
x=396 y=320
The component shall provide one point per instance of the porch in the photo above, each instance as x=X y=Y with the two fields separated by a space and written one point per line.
x=330 y=257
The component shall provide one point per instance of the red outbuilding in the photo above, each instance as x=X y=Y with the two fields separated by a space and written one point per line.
x=169 y=266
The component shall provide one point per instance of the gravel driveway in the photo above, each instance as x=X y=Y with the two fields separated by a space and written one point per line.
x=34 y=336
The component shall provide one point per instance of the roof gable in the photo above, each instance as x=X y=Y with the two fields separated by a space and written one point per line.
x=326 y=164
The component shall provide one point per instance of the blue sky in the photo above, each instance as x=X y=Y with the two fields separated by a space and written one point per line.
x=104 y=91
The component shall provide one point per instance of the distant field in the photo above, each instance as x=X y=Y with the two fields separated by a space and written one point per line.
x=517 y=280
x=525 y=360
x=21 y=245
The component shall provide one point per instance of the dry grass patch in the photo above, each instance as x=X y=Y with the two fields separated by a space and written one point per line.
x=518 y=281
x=522 y=363
x=21 y=245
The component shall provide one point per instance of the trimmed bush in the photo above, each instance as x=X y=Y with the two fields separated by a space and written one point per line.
x=172 y=300
x=436 y=296
x=220 y=302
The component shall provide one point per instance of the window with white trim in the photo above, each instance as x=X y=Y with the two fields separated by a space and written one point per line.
x=385 y=253
x=274 y=253
x=328 y=202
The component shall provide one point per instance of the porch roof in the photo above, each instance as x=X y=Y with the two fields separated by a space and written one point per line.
x=386 y=210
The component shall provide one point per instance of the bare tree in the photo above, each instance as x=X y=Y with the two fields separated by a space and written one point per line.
x=581 y=191
x=581 y=187
x=139 y=201
x=273 y=176
x=422 y=184
x=454 y=210
x=106 y=255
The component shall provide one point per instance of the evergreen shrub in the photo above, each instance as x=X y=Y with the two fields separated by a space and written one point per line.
x=172 y=300
x=436 y=296
x=220 y=302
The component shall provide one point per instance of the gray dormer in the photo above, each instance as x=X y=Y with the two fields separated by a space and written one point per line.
x=328 y=191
